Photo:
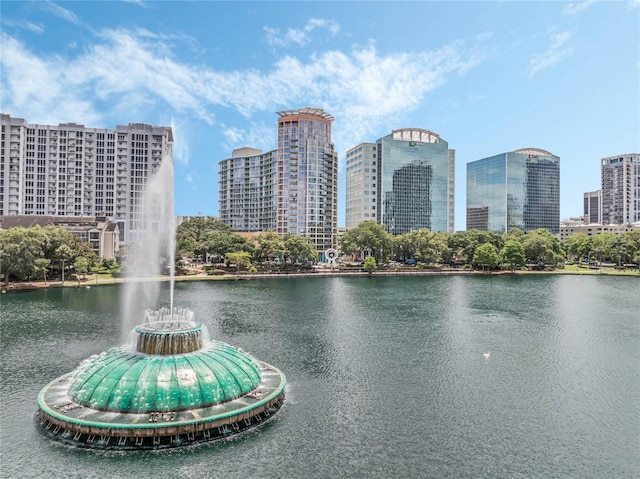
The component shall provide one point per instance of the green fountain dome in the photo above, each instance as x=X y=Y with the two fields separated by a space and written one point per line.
x=123 y=381
x=169 y=386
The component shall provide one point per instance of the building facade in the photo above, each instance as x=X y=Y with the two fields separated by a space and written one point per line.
x=405 y=181
x=307 y=177
x=99 y=233
x=518 y=189
x=361 y=184
x=592 y=209
x=416 y=186
x=290 y=190
x=247 y=190
x=71 y=170
x=620 y=189
x=595 y=229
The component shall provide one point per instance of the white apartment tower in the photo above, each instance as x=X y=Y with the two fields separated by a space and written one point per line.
x=247 y=189
x=290 y=190
x=620 y=189
x=362 y=184
x=71 y=170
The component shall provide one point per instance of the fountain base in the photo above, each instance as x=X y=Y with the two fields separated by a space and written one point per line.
x=67 y=422
x=169 y=387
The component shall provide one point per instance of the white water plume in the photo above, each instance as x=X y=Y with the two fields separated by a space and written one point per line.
x=152 y=253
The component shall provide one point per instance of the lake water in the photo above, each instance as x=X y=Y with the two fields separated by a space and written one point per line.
x=387 y=377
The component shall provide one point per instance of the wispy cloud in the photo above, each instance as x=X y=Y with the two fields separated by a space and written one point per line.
x=61 y=12
x=574 y=8
x=299 y=36
x=140 y=3
x=134 y=74
x=256 y=135
x=558 y=51
x=32 y=27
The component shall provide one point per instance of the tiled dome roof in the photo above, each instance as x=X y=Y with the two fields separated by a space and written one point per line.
x=122 y=380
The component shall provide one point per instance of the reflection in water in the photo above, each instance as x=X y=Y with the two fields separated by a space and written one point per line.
x=387 y=376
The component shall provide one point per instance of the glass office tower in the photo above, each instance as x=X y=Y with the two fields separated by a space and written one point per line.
x=518 y=189
x=416 y=182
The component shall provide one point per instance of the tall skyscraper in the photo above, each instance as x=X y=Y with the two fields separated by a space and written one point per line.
x=307 y=176
x=290 y=190
x=592 y=208
x=518 y=189
x=71 y=170
x=621 y=189
x=409 y=175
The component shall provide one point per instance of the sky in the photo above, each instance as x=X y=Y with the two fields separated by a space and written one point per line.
x=488 y=77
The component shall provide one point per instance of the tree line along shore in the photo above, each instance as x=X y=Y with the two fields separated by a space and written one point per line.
x=207 y=248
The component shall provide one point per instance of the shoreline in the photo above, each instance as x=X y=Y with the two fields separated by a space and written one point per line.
x=101 y=281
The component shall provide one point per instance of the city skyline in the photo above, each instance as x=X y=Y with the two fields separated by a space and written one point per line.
x=487 y=76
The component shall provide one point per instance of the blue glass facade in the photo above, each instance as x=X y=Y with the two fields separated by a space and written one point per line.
x=416 y=182
x=518 y=189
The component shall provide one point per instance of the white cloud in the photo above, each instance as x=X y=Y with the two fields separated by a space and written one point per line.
x=140 y=3
x=299 y=36
x=32 y=27
x=61 y=12
x=574 y=8
x=41 y=89
x=256 y=135
x=137 y=75
x=558 y=51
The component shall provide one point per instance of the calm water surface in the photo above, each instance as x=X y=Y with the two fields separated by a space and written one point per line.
x=386 y=377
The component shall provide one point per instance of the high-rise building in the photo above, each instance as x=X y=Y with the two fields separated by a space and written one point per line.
x=518 y=189
x=292 y=189
x=621 y=189
x=307 y=177
x=592 y=207
x=362 y=169
x=247 y=190
x=71 y=170
x=405 y=181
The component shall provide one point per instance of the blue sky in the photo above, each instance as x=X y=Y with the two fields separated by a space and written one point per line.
x=488 y=77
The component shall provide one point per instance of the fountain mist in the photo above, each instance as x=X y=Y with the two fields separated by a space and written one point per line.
x=152 y=253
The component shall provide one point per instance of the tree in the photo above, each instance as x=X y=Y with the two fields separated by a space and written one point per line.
x=270 y=246
x=512 y=254
x=192 y=235
x=620 y=249
x=486 y=255
x=81 y=265
x=423 y=245
x=217 y=243
x=240 y=258
x=463 y=245
x=515 y=234
x=543 y=248
x=299 y=249
x=367 y=239
x=20 y=250
x=63 y=252
x=578 y=245
x=369 y=264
